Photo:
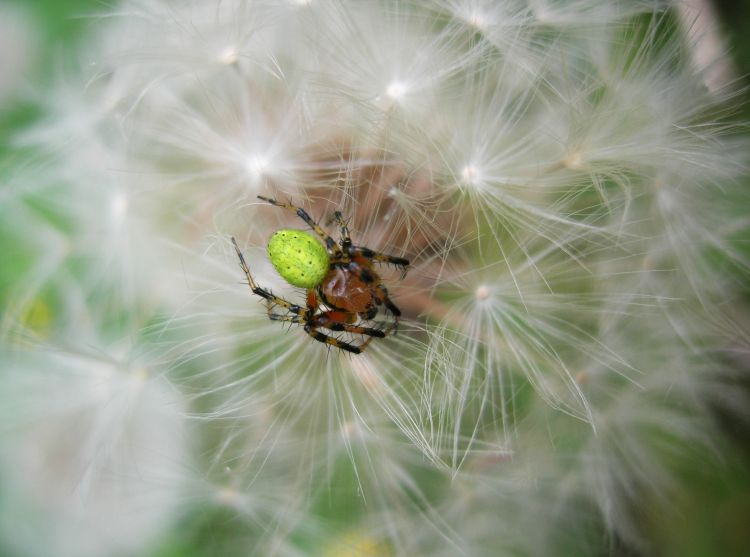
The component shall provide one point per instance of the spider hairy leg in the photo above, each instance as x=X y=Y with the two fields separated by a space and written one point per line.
x=333 y=321
x=298 y=319
x=346 y=241
x=392 y=307
x=262 y=292
x=326 y=339
x=383 y=298
x=367 y=253
x=385 y=332
x=330 y=243
x=343 y=321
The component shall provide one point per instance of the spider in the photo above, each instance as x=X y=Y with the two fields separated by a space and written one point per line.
x=340 y=276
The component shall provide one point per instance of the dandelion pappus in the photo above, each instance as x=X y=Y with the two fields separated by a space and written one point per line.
x=340 y=276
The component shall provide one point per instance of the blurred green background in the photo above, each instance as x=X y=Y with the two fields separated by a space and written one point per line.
x=48 y=30
x=713 y=515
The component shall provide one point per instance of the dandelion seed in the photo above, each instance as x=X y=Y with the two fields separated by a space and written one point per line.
x=396 y=90
x=119 y=206
x=257 y=166
x=228 y=56
x=478 y=20
x=471 y=175
x=230 y=497
x=574 y=161
x=482 y=293
x=98 y=464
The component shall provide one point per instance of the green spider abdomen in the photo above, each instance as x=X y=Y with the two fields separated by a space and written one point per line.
x=298 y=257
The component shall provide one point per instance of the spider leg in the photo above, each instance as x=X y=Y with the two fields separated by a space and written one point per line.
x=341 y=321
x=382 y=333
x=311 y=330
x=369 y=314
x=262 y=292
x=367 y=253
x=346 y=241
x=286 y=318
x=331 y=244
x=381 y=294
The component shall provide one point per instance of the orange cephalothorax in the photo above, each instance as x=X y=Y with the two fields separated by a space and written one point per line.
x=351 y=287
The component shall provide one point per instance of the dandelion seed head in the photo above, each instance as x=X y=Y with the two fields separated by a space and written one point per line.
x=396 y=90
x=257 y=166
x=97 y=465
x=471 y=174
x=228 y=55
x=666 y=199
x=352 y=431
x=119 y=206
x=140 y=376
x=394 y=192
x=478 y=20
x=574 y=161
x=482 y=293
x=230 y=497
x=542 y=13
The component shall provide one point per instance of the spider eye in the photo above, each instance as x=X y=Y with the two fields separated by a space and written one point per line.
x=298 y=257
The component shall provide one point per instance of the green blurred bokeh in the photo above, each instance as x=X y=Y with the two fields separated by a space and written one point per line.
x=54 y=28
